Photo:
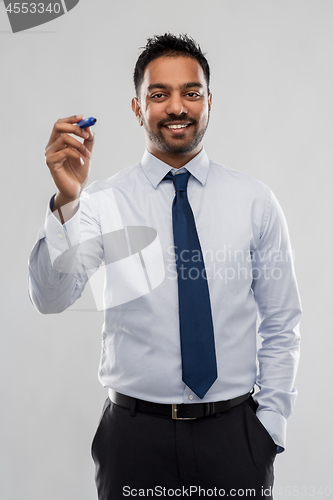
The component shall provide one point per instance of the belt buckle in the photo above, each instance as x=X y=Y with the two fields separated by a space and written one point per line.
x=174 y=414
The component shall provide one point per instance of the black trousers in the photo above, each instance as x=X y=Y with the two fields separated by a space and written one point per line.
x=140 y=455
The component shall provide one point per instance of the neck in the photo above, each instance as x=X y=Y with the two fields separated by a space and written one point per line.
x=176 y=160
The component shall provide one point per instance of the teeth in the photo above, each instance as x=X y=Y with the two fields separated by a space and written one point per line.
x=176 y=126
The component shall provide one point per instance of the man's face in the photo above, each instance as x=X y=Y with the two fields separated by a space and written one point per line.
x=173 y=93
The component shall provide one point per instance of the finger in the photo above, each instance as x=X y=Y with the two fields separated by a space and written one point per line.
x=90 y=140
x=71 y=119
x=57 y=159
x=66 y=125
x=66 y=140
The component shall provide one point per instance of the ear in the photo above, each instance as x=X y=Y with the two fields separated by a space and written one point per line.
x=210 y=98
x=137 y=110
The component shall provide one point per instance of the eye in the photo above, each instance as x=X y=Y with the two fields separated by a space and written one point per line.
x=157 y=95
x=193 y=94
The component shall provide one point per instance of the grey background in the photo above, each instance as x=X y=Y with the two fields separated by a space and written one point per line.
x=272 y=81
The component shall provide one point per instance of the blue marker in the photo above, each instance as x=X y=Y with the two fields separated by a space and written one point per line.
x=87 y=122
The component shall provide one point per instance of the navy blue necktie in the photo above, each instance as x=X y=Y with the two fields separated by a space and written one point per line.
x=195 y=315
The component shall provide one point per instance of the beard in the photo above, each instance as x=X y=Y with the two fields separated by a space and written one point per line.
x=177 y=145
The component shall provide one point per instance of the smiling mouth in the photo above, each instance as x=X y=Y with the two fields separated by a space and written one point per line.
x=178 y=128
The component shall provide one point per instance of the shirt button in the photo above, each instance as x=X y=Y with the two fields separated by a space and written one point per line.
x=190 y=397
x=60 y=235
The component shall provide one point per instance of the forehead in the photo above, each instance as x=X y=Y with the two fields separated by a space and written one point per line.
x=173 y=72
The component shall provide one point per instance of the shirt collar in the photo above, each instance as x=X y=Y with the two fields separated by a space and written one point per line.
x=155 y=169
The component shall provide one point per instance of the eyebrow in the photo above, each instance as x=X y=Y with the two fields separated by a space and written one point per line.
x=166 y=87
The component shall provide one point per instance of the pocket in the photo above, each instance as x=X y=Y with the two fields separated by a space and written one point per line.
x=251 y=409
x=105 y=407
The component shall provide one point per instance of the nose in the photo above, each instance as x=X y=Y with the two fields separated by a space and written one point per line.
x=176 y=105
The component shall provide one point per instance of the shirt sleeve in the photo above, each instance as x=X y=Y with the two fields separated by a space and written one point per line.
x=64 y=258
x=279 y=310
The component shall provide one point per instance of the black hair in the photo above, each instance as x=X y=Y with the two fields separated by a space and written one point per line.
x=169 y=45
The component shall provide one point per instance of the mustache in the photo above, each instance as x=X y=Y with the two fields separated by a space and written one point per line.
x=174 y=118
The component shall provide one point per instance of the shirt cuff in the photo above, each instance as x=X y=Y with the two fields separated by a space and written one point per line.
x=276 y=426
x=52 y=202
x=61 y=237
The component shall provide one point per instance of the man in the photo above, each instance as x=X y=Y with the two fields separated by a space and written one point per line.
x=197 y=250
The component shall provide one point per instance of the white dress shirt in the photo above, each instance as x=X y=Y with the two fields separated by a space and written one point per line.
x=122 y=235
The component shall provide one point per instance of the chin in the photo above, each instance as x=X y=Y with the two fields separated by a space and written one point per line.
x=181 y=149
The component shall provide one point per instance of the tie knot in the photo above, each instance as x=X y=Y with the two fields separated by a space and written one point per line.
x=179 y=180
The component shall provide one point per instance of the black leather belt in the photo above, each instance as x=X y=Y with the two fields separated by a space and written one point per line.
x=176 y=411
